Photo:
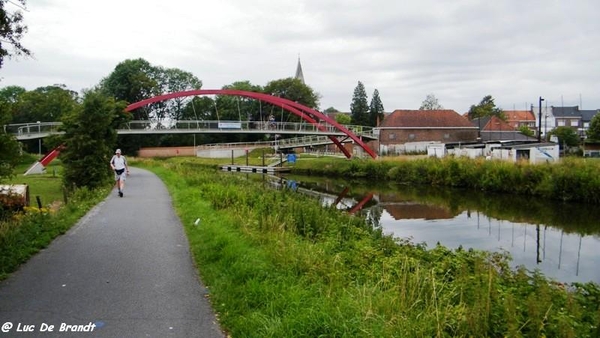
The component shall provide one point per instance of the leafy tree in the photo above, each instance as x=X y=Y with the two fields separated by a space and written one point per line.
x=486 y=107
x=343 y=118
x=11 y=31
x=593 y=132
x=9 y=146
x=172 y=80
x=359 y=108
x=46 y=104
x=566 y=136
x=239 y=108
x=133 y=81
x=376 y=109
x=330 y=110
x=11 y=94
x=199 y=108
x=430 y=103
x=526 y=131
x=90 y=139
x=293 y=90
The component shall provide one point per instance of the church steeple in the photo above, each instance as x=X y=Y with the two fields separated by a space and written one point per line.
x=299 y=74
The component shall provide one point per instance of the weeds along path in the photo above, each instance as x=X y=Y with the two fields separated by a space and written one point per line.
x=125 y=268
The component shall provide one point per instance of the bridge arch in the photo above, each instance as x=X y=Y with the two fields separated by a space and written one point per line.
x=308 y=114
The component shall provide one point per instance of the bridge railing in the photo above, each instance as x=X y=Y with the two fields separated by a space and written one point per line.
x=242 y=125
x=20 y=129
x=46 y=128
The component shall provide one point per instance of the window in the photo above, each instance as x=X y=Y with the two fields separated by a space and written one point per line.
x=392 y=136
x=411 y=136
x=574 y=123
x=561 y=123
x=446 y=136
x=586 y=125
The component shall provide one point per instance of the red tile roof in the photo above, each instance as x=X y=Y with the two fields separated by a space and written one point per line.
x=496 y=124
x=425 y=119
x=519 y=115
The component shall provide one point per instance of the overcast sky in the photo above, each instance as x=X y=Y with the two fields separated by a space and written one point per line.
x=459 y=50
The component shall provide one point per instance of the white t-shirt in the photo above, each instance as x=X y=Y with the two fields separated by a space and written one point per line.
x=118 y=162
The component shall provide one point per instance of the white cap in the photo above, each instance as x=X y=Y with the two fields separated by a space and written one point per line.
x=118 y=151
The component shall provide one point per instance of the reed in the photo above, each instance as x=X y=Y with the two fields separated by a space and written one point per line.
x=277 y=264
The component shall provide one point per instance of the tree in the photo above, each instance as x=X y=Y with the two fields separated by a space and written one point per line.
x=133 y=81
x=46 y=104
x=294 y=90
x=593 y=132
x=9 y=146
x=359 y=107
x=526 y=131
x=343 y=118
x=486 y=107
x=11 y=94
x=171 y=80
x=375 y=109
x=240 y=108
x=566 y=136
x=11 y=31
x=90 y=139
x=430 y=103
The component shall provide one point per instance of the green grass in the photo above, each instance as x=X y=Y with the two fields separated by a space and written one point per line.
x=25 y=233
x=47 y=186
x=277 y=264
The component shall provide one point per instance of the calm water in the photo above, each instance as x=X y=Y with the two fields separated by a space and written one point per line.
x=561 y=240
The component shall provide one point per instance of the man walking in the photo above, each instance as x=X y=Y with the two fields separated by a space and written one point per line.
x=118 y=163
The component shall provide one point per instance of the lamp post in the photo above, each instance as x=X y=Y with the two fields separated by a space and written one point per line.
x=540 y=122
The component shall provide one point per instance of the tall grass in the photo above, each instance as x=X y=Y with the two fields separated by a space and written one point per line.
x=280 y=265
x=26 y=233
x=570 y=180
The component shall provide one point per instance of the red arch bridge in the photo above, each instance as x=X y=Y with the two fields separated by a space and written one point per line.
x=319 y=123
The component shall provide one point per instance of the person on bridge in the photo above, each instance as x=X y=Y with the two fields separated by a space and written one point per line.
x=118 y=163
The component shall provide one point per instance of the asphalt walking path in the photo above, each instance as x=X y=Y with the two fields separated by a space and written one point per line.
x=124 y=270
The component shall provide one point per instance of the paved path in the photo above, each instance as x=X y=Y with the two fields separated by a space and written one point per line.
x=125 y=267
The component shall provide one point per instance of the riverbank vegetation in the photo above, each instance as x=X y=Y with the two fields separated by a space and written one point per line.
x=278 y=264
x=574 y=180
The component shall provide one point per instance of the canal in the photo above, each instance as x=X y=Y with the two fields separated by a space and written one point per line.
x=560 y=240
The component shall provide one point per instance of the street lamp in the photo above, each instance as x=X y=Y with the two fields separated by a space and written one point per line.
x=540 y=118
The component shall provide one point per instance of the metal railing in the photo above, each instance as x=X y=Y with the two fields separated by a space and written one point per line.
x=43 y=129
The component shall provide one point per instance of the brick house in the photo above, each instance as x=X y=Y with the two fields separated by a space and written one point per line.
x=411 y=130
x=494 y=128
x=520 y=118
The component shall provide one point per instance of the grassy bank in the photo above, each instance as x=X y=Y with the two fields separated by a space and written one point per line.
x=570 y=180
x=279 y=265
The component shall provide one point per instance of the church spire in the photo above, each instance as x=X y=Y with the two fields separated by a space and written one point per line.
x=299 y=74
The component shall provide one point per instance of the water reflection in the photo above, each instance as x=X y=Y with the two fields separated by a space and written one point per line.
x=558 y=239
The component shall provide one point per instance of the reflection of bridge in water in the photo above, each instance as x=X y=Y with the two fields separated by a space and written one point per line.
x=558 y=253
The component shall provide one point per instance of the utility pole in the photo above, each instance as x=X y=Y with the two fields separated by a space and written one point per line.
x=540 y=120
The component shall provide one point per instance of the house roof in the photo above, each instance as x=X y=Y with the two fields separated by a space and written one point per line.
x=587 y=115
x=519 y=115
x=425 y=119
x=492 y=123
x=497 y=124
x=566 y=111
